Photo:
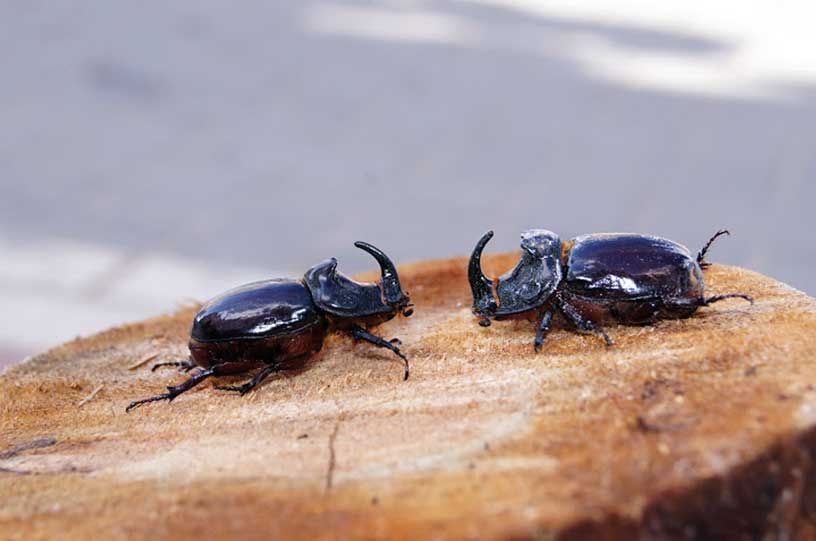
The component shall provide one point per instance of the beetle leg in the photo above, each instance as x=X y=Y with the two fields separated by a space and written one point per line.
x=578 y=320
x=251 y=384
x=185 y=366
x=717 y=298
x=195 y=379
x=702 y=301
x=543 y=329
x=702 y=253
x=175 y=390
x=361 y=334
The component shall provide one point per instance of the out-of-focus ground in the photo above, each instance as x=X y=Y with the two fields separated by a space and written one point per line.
x=152 y=153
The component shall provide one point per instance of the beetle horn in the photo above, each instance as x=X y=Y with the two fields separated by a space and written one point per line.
x=392 y=290
x=484 y=303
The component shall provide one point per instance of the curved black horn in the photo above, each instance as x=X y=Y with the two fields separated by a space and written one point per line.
x=484 y=303
x=390 y=280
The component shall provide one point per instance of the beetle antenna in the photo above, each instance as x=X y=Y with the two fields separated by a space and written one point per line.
x=484 y=303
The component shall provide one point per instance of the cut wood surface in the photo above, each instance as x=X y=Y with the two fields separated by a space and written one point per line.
x=693 y=428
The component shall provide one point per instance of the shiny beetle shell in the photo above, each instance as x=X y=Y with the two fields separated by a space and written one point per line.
x=591 y=279
x=274 y=325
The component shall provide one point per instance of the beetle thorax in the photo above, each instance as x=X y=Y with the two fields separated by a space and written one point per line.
x=536 y=275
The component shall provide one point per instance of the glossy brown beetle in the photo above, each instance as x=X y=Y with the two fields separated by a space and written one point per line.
x=624 y=278
x=275 y=325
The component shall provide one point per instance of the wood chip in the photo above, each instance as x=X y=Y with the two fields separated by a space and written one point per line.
x=90 y=396
x=144 y=361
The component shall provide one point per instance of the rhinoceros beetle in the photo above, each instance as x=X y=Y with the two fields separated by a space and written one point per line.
x=275 y=325
x=625 y=278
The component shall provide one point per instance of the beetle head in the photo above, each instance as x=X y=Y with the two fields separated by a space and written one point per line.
x=340 y=296
x=528 y=285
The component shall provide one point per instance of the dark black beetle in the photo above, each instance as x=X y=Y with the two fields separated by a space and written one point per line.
x=625 y=278
x=277 y=324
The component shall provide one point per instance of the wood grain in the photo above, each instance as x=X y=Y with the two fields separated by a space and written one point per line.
x=696 y=428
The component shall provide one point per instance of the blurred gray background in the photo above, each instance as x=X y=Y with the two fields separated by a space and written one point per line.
x=152 y=153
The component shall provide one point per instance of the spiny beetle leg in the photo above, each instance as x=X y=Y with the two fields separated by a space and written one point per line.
x=578 y=320
x=702 y=301
x=195 y=379
x=176 y=390
x=718 y=298
x=702 y=253
x=251 y=384
x=543 y=329
x=361 y=334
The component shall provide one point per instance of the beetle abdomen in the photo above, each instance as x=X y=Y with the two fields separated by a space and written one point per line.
x=619 y=266
x=284 y=350
x=257 y=310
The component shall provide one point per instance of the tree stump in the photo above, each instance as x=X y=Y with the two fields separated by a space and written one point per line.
x=694 y=428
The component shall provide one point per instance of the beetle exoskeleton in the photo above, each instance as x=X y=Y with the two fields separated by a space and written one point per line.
x=591 y=279
x=274 y=325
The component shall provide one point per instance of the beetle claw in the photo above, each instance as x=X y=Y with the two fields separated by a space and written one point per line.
x=164 y=396
x=402 y=356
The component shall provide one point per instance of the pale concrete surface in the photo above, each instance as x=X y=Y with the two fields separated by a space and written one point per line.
x=153 y=152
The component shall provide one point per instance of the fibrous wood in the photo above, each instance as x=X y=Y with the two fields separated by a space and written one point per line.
x=702 y=427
